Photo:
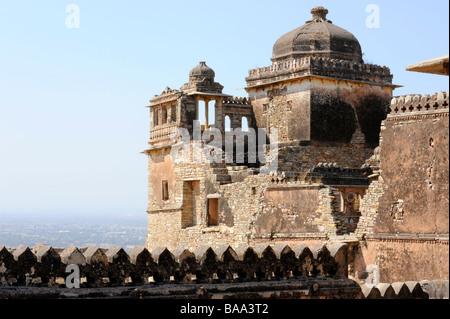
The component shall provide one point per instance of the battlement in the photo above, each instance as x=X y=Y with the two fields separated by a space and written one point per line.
x=42 y=265
x=321 y=66
x=425 y=289
x=236 y=101
x=407 y=104
x=262 y=271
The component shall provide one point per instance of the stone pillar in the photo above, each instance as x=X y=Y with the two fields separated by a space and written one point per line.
x=196 y=109
x=219 y=118
x=206 y=113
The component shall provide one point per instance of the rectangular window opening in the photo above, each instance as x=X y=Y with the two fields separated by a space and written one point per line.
x=213 y=212
x=165 y=190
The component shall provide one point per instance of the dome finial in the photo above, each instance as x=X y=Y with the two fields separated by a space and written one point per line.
x=319 y=14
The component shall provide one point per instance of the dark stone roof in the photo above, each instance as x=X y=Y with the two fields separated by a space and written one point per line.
x=202 y=70
x=318 y=37
x=201 y=79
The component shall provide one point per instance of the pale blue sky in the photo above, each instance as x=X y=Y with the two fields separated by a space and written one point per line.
x=72 y=101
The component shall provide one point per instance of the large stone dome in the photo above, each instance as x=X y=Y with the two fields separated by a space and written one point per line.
x=318 y=37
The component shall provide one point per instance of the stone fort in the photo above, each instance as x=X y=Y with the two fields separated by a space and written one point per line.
x=349 y=163
x=319 y=184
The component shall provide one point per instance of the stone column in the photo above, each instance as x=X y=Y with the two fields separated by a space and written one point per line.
x=206 y=113
x=219 y=118
x=196 y=108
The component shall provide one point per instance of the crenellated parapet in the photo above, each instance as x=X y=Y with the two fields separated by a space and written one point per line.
x=236 y=101
x=42 y=265
x=319 y=66
x=425 y=289
x=259 y=271
x=412 y=104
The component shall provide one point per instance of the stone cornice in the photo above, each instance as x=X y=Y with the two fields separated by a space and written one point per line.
x=320 y=66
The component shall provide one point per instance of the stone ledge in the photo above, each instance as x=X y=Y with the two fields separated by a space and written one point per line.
x=419 y=237
x=294 y=289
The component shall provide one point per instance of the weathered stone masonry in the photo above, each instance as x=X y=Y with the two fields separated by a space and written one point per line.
x=343 y=163
x=326 y=110
x=259 y=272
x=352 y=189
x=405 y=212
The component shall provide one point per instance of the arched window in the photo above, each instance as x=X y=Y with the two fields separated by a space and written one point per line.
x=201 y=112
x=244 y=124
x=227 y=123
x=212 y=112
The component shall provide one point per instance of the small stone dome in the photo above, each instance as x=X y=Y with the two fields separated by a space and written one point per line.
x=201 y=71
x=318 y=37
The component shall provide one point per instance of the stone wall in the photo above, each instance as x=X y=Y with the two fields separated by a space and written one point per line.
x=42 y=264
x=321 y=109
x=340 y=108
x=404 y=225
x=283 y=107
x=369 y=208
x=414 y=166
x=248 y=272
x=403 y=259
x=300 y=158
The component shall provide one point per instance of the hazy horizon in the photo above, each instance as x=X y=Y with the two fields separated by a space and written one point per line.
x=73 y=116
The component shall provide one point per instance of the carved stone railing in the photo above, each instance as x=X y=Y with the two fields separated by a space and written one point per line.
x=419 y=103
x=322 y=66
x=162 y=132
x=43 y=265
x=327 y=173
x=278 y=271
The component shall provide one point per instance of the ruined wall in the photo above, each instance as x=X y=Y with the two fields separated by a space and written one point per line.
x=300 y=158
x=405 y=212
x=414 y=163
x=236 y=109
x=185 y=209
x=288 y=209
x=239 y=205
x=164 y=228
x=369 y=208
